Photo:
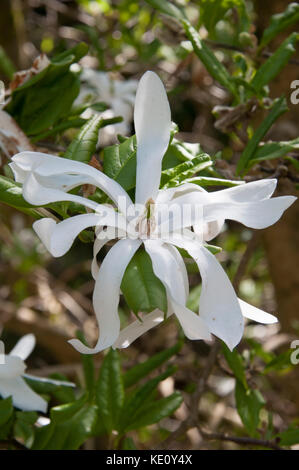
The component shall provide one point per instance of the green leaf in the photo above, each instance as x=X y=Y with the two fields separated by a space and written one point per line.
x=120 y=163
x=6 y=410
x=210 y=181
x=208 y=58
x=11 y=194
x=110 y=391
x=271 y=68
x=143 y=291
x=71 y=424
x=84 y=144
x=71 y=123
x=153 y=412
x=289 y=437
x=177 y=175
x=133 y=405
x=272 y=150
x=23 y=427
x=88 y=367
x=48 y=96
x=6 y=64
x=279 y=22
x=249 y=404
x=280 y=362
x=167 y=8
x=236 y=363
x=278 y=108
x=212 y=11
x=141 y=370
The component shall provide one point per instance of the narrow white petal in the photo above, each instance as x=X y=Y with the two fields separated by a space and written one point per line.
x=152 y=125
x=258 y=215
x=24 y=347
x=23 y=396
x=218 y=306
x=106 y=295
x=48 y=169
x=253 y=191
x=137 y=328
x=256 y=314
x=167 y=269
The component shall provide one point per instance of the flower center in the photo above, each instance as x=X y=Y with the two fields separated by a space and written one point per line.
x=147 y=223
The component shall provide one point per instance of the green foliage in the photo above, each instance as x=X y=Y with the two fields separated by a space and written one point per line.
x=48 y=96
x=178 y=174
x=278 y=108
x=84 y=144
x=208 y=58
x=249 y=404
x=6 y=65
x=143 y=291
x=167 y=8
x=120 y=163
x=279 y=22
x=273 y=66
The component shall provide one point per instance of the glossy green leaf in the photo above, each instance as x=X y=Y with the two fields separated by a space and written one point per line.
x=6 y=410
x=211 y=181
x=71 y=424
x=153 y=412
x=278 y=108
x=139 y=397
x=289 y=437
x=120 y=163
x=249 y=404
x=48 y=96
x=110 y=391
x=84 y=144
x=177 y=175
x=236 y=363
x=143 y=291
x=11 y=194
x=208 y=58
x=272 y=150
x=138 y=372
x=279 y=22
x=271 y=68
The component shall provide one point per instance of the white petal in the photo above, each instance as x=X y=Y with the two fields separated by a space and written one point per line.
x=106 y=295
x=218 y=305
x=12 y=367
x=137 y=328
x=23 y=396
x=256 y=215
x=152 y=125
x=45 y=166
x=103 y=237
x=167 y=269
x=254 y=191
x=256 y=314
x=24 y=347
x=58 y=238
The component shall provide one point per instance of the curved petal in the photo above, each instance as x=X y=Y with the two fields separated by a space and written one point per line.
x=167 y=270
x=256 y=215
x=218 y=306
x=103 y=237
x=137 y=328
x=24 y=347
x=58 y=238
x=253 y=191
x=106 y=295
x=50 y=169
x=256 y=314
x=23 y=396
x=152 y=125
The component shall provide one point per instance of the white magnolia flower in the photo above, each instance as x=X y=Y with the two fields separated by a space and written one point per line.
x=119 y=95
x=154 y=222
x=12 y=373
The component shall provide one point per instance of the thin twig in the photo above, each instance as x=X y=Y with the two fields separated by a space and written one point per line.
x=246 y=441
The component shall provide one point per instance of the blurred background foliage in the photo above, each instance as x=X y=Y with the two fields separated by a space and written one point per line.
x=220 y=95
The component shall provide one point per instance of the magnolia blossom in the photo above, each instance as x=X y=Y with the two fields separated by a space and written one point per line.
x=158 y=221
x=12 y=374
x=119 y=95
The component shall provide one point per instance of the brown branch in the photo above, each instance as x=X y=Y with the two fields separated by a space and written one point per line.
x=192 y=419
x=245 y=441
